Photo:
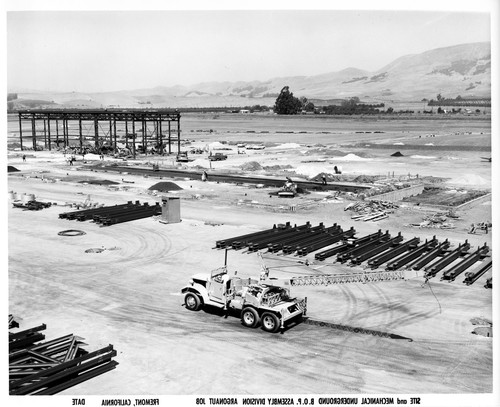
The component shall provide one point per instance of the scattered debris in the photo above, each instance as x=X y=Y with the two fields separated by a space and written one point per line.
x=485 y=327
x=481 y=227
x=32 y=205
x=210 y=223
x=371 y=210
x=72 y=232
x=99 y=182
x=98 y=250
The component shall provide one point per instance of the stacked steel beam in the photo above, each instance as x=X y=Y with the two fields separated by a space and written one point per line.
x=374 y=249
x=110 y=215
x=471 y=277
x=44 y=368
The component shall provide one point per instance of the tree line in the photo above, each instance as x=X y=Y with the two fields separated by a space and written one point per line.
x=286 y=103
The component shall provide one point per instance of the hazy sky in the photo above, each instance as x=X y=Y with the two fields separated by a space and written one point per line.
x=113 y=50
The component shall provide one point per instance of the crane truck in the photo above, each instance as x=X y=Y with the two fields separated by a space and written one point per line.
x=266 y=301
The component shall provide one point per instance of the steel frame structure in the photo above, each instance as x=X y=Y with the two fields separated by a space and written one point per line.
x=159 y=136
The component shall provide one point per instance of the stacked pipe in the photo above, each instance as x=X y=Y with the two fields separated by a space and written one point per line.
x=45 y=368
x=110 y=215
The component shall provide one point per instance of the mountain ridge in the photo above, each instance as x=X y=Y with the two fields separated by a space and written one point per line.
x=463 y=69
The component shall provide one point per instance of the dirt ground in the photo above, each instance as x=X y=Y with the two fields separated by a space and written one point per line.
x=130 y=296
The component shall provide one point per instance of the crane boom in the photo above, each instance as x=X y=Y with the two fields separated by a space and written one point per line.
x=345 y=278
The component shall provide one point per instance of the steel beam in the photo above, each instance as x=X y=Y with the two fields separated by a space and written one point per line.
x=402 y=248
x=435 y=268
x=363 y=247
x=326 y=241
x=471 y=277
x=437 y=251
x=468 y=261
x=379 y=248
x=419 y=251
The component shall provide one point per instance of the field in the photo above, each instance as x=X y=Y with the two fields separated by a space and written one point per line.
x=130 y=296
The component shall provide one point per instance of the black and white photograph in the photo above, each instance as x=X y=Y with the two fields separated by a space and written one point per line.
x=218 y=204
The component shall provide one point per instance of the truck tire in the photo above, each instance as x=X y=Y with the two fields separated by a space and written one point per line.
x=192 y=302
x=249 y=317
x=270 y=322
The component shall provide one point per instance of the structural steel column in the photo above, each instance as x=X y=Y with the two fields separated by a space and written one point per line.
x=161 y=136
x=114 y=129
x=144 y=144
x=133 y=137
x=81 y=135
x=48 y=133
x=57 y=133
x=33 y=131
x=110 y=132
x=126 y=133
x=96 y=134
x=178 y=133
x=21 y=132
x=45 y=133
x=169 y=138
x=66 y=142
x=156 y=127
x=64 y=132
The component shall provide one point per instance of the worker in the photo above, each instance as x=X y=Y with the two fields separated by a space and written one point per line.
x=24 y=157
x=323 y=179
x=204 y=176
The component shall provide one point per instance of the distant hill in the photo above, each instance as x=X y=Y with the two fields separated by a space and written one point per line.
x=463 y=70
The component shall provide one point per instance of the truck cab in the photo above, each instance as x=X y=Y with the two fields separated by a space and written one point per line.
x=255 y=302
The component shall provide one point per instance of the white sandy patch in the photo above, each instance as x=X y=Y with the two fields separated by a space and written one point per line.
x=469 y=179
x=287 y=146
x=352 y=157
x=423 y=157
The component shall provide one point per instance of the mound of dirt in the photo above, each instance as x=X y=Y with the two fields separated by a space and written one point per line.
x=99 y=182
x=10 y=168
x=365 y=179
x=251 y=166
x=165 y=187
x=397 y=154
x=328 y=177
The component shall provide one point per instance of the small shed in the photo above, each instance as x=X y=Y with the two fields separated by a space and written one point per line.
x=170 y=209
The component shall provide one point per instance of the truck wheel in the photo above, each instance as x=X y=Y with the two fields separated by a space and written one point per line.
x=270 y=322
x=250 y=317
x=192 y=302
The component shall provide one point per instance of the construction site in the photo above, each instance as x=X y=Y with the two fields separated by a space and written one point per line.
x=169 y=253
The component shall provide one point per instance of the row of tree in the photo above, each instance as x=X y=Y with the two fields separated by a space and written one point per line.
x=458 y=101
x=286 y=103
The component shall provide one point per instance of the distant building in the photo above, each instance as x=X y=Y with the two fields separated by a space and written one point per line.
x=244 y=111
